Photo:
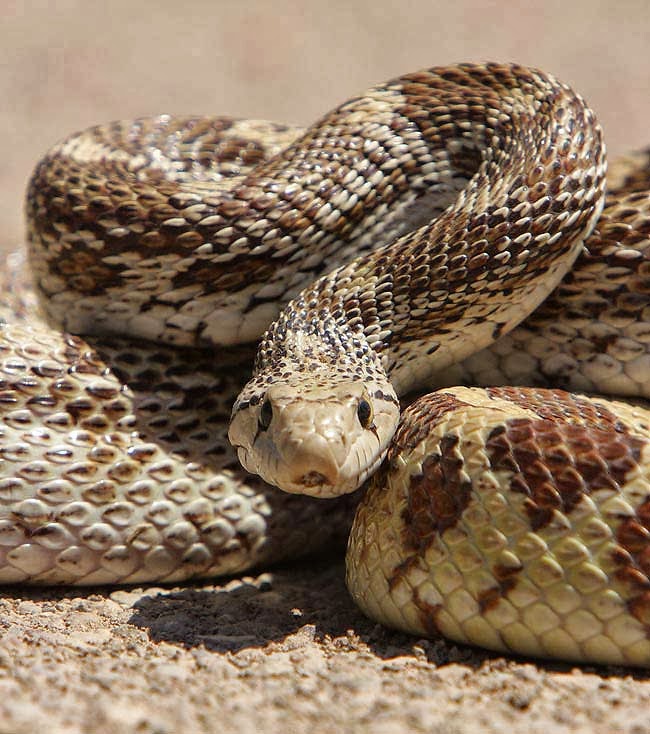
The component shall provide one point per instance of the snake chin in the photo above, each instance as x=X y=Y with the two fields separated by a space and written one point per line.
x=322 y=442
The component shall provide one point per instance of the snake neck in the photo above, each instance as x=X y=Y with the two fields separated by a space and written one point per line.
x=442 y=291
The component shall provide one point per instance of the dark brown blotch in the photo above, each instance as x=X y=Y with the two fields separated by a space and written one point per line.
x=428 y=614
x=437 y=496
x=573 y=449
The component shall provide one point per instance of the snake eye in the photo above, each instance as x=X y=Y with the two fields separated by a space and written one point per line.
x=364 y=413
x=266 y=415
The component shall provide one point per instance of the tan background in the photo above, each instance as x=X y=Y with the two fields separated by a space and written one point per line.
x=297 y=657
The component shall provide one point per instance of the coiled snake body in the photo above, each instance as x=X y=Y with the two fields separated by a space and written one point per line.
x=450 y=202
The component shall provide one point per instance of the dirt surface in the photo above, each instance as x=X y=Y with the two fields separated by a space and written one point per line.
x=283 y=652
x=286 y=651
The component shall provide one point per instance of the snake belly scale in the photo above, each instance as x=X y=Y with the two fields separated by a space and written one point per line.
x=412 y=227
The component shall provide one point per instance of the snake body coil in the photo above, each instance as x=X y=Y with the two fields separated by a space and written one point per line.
x=450 y=203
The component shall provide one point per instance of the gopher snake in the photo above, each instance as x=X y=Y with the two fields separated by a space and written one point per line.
x=509 y=518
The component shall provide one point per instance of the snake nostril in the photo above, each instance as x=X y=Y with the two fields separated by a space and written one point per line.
x=314 y=479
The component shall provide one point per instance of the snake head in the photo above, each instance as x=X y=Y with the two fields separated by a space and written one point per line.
x=322 y=441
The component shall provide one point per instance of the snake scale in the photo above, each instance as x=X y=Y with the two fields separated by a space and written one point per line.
x=404 y=241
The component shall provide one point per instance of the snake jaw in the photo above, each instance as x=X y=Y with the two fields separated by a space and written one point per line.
x=318 y=441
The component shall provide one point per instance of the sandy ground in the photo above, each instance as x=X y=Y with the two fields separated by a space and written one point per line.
x=286 y=651
x=283 y=652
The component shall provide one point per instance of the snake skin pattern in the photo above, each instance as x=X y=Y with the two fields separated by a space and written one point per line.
x=512 y=518
x=520 y=523
x=591 y=334
x=115 y=466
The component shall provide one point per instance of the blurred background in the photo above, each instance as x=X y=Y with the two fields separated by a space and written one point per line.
x=72 y=63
